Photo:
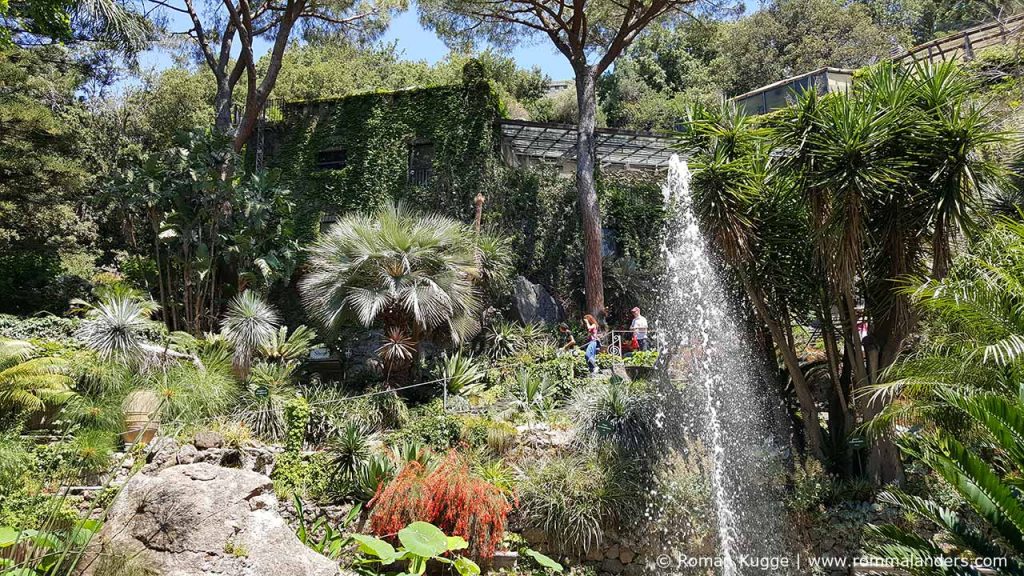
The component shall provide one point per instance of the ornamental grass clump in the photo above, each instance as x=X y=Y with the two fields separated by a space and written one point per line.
x=450 y=497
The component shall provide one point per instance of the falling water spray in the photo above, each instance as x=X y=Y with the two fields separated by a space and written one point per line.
x=702 y=350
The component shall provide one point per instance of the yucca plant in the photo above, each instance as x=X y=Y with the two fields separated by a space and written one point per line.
x=114 y=327
x=250 y=323
x=28 y=383
x=351 y=448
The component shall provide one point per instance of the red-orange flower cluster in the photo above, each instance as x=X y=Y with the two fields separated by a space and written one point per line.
x=450 y=497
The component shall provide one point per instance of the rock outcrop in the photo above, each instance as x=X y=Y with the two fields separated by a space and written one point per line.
x=202 y=519
x=532 y=303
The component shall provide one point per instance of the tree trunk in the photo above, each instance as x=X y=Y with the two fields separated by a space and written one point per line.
x=222 y=107
x=808 y=409
x=590 y=210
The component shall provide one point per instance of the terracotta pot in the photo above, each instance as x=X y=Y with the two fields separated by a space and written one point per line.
x=141 y=417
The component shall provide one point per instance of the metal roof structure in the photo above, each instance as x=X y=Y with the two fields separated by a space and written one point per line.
x=556 y=143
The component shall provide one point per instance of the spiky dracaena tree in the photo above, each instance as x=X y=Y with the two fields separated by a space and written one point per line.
x=972 y=339
x=412 y=274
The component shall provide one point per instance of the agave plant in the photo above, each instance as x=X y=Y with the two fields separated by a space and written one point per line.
x=534 y=394
x=28 y=383
x=462 y=374
x=377 y=471
x=503 y=338
x=250 y=323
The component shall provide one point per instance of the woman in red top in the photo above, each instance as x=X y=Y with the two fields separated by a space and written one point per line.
x=593 y=342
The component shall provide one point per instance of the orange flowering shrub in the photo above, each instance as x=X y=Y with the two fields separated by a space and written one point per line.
x=450 y=497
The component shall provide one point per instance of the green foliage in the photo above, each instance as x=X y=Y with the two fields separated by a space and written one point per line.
x=201 y=254
x=645 y=358
x=420 y=542
x=623 y=416
x=986 y=485
x=42 y=222
x=320 y=535
x=296 y=415
x=376 y=130
x=48 y=550
x=429 y=424
x=29 y=382
x=573 y=498
x=541 y=560
x=972 y=337
x=45 y=327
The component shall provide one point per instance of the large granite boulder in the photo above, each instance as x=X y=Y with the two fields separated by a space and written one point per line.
x=202 y=519
x=532 y=303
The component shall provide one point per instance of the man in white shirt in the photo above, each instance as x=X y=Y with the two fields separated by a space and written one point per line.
x=639 y=328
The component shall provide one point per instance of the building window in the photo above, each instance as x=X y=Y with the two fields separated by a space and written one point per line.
x=421 y=163
x=331 y=159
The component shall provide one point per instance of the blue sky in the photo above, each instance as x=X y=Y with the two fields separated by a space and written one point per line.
x=413 y=41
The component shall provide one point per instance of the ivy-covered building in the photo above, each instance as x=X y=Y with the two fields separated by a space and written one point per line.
x=429 y=146
x=436 y=147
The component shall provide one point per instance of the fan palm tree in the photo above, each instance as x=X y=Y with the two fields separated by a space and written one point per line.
x=411 y=273
x=28 y=383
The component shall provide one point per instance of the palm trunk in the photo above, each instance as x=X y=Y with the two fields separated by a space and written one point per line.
x=940 y=251
x=590 y=210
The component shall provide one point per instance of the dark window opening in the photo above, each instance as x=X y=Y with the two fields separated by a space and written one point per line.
x=331 y=159
x=421 y=163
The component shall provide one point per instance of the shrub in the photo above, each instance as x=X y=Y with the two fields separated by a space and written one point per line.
x=645 y=358
x=572 y=498
x=432 y=425
x=451 y=497
x=37 y=327
x=621 y=415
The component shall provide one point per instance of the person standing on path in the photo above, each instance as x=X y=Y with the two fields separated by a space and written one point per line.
x=639 y=328
x=593 y=342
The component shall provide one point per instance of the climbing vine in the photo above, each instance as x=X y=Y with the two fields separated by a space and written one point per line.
x=372 y=136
